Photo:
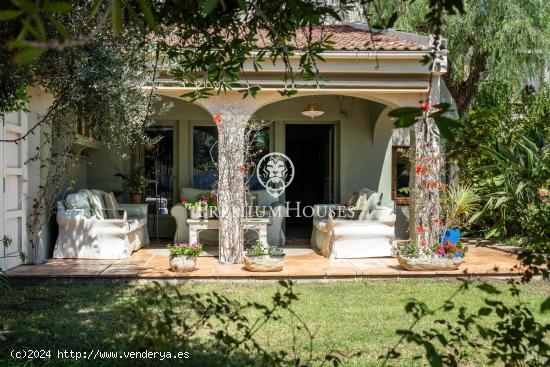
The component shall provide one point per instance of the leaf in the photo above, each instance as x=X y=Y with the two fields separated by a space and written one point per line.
x=147 y=14
x=405 y=116
x=209 y=5
x=94 y=8
x=116 y=16
x=60 y=7
x=545 y=306
x=392 y=20
x=10 y=14
x=28 y=55
x=445 y=125
x=59 y=27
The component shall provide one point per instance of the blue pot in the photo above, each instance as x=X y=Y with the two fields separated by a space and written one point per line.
x=452 y=235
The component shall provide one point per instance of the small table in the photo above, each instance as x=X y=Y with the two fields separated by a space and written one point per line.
x=256 y=224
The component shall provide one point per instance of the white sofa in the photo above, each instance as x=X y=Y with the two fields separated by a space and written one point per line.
x=364 y=228
x=277 y=213
x=84 y=233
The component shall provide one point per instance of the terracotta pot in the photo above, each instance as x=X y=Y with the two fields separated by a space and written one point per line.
x=136 y=198
x=430 y=263
x=195 y=213
x=264 y=263
x=183 y=263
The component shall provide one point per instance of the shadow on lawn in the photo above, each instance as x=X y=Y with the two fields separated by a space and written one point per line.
x=215 y=330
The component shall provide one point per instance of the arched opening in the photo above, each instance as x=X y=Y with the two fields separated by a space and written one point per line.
x=345 y=149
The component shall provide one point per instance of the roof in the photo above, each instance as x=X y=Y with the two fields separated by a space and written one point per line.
x=345 y=37
x=349 y=38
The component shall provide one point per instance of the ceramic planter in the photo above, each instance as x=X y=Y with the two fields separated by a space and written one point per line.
x=452 y=235
x=195 y=213
x=264 y=263
x=183 y=263
x=430 y=263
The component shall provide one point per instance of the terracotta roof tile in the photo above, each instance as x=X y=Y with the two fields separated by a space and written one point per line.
x=347 y=38
x=344 y=38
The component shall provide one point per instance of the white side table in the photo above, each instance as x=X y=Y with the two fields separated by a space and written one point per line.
x=256 y=224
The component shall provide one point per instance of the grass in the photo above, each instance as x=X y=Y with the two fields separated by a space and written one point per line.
x=344 y=316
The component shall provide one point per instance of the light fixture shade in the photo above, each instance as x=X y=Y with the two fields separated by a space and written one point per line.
x=312 y=110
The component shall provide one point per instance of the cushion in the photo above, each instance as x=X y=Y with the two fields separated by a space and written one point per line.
x=78 y=200
x=380 y=213
x=100 y=195
x=373 y=201
x=112 y=206
x=351 y=200
x=97 y=207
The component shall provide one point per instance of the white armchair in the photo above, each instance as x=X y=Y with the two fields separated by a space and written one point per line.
x=364 y=230
x=85 y=234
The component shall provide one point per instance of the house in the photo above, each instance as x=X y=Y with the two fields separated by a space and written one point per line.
x=353 y=144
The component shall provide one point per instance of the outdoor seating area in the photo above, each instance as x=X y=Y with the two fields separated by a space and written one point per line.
x=151 y=262
x=92 y=225
x=367 y=229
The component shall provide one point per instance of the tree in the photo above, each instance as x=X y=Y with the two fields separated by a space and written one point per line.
x=494 y=41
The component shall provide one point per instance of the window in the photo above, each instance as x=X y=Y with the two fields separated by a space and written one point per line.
x=158 y=164
x=205 y=156
x=400 y=174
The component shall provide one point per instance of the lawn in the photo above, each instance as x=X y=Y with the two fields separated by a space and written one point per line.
x=345 y=317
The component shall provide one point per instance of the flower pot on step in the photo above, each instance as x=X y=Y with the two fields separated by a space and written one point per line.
x=183 y=263
x=430 y=263
x=269 y=263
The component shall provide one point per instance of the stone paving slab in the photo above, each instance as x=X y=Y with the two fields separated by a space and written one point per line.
x=479 y=261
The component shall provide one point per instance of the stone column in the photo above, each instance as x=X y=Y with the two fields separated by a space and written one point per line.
x=426 y=193
x=231 y=125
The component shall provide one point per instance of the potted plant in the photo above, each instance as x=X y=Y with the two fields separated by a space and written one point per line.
x=183 y=256
x=210 y=200
x=263 y=257
x=441 y=256
x=195 y=208
x=460 y=202
x=137 y=183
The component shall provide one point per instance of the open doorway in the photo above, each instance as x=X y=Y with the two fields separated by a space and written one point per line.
x=311 y=149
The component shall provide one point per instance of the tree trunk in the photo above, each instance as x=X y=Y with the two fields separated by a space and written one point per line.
x=231 y=188
x=463 y=91
x=427 y=183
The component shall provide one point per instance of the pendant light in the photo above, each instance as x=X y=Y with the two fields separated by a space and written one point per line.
x=312 y=110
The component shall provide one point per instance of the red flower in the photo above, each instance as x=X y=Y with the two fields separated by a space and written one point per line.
x=420 y=229
x=242 y=168
x=425 y=106
x=183 y=200
x=217 y=118
x=433 y=184
x=418 y=169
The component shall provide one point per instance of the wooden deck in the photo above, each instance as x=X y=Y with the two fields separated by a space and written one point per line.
x=152 y=263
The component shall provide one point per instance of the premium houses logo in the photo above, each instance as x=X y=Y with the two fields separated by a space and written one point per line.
x=275 y=172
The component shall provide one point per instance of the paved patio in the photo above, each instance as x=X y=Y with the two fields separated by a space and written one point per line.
x=150 y=263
